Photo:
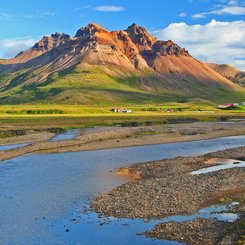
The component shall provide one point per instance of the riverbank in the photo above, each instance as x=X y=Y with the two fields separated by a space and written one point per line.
x=167 y=188
x=116 y=137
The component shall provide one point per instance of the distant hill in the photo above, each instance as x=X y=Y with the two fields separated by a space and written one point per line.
x=98 y=66
x=230 y=73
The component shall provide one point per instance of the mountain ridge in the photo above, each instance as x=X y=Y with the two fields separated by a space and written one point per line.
x=229 y=72
x=152 y=67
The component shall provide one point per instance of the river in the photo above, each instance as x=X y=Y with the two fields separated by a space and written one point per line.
x=42 y=195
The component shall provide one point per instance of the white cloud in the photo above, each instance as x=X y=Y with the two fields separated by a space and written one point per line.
x=220 y=42
x=11 y=47
x=77 y=9
x=30 y=16
x=240 y=64
x=5 y=16
x=231 y=7
x=232 y=10
x=80 y=8
x=182 y=14
x=233 y=2
x=39 y=15
x=199 y=16
x=109 y=8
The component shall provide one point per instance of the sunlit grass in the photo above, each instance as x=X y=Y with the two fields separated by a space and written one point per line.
x=85 y=116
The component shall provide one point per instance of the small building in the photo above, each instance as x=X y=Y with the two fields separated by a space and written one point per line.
x=121 y=110
x=230 y=105
x=126 y=111
x=170 y=110
x=223 y=106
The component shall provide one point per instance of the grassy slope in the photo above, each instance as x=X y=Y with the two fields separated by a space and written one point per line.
x=94 y=86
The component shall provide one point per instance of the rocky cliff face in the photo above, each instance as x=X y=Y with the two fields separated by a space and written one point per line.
x=47 y=43
x=168 y=48
x=141 y=37
x=90 y=30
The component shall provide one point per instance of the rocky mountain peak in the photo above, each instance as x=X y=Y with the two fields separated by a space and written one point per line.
x=169 y=48
x=141 y=37
x=61 y=36
x=136 y=28
x=49 y=42
x=90 y=29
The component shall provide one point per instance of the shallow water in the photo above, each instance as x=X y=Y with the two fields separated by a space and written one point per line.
x=41 y=192
x=219 y=212
x=68 y=135
x=82 y=227
x=13 y=146
x=226 y=164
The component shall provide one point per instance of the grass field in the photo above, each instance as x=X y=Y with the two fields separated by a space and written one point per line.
x=75 y=116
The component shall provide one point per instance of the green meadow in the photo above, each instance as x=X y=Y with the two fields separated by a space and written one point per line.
x=77 y=116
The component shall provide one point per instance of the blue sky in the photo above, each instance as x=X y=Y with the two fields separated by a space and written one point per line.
x=202 y=26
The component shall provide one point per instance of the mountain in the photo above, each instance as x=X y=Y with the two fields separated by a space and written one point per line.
x=229 y=72
x=98 y=66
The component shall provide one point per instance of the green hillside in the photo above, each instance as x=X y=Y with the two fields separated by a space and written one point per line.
x=100 y=85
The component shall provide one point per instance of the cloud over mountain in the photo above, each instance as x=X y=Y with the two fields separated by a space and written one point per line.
x=219 y=42
x=13 y=46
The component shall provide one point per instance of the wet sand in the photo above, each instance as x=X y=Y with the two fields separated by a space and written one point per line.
x=30 y=137
x=116 y=137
